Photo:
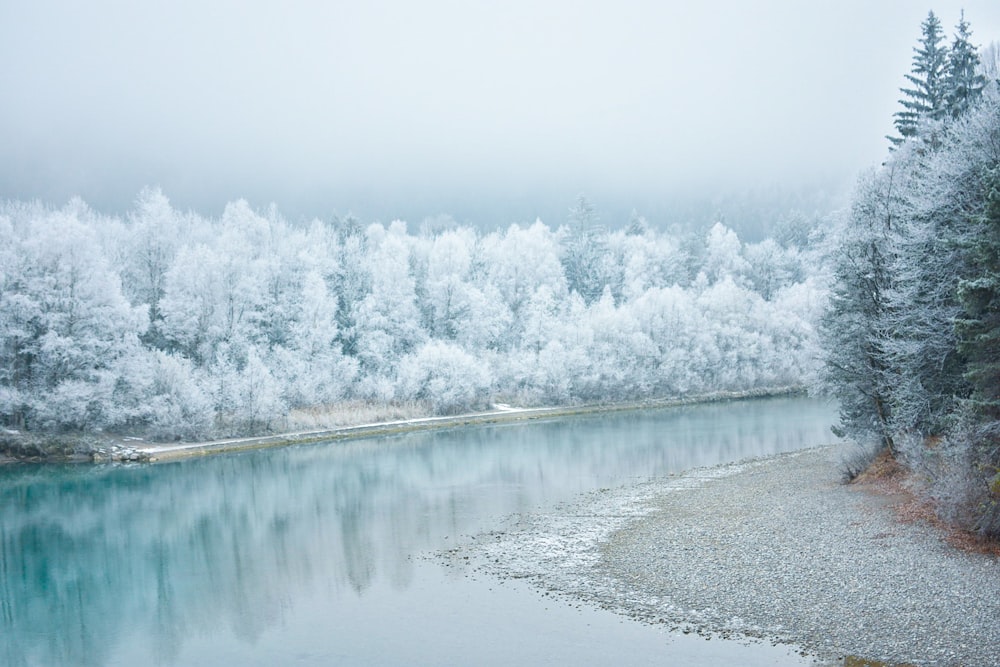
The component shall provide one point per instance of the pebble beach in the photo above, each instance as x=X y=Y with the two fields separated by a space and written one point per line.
x=775 y=549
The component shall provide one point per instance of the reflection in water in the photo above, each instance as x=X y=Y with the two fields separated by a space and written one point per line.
x=225 y=547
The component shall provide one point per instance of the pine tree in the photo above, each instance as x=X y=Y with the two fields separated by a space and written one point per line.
x=927 y=368
x=964 y=81
x=585 y=258
x=979 y=338
x=927 y=98
x=855 y=326
x=979 y=327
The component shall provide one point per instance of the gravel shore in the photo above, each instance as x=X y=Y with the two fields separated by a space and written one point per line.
x=774 y=548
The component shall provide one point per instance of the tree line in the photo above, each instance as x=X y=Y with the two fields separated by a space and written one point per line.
x=913 y=329
x=171 y=324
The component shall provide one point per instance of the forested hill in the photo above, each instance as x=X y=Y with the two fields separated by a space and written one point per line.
x=171 y=324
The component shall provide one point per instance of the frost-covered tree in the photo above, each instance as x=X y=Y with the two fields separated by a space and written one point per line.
x=351 y=280
x=723 y=254
x=387 y=319
x=989 y=64
x=156 y=232
x=978 y=330
x=246 y=393
x=516 y=263
x=668 y=318
x=68 y=330
x=770 y=268
x=637 y=224
x=310 y=365
x=964 y=81
x=854 y=329
x=256 y=318
x=911 y=333
x=943 y=186
x=448 y=295
x=586 y=261
x=979 y=324
x=445 y=376
x=927 y=96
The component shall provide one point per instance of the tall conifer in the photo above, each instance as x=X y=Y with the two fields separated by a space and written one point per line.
x=964 y=81
x=927 y=98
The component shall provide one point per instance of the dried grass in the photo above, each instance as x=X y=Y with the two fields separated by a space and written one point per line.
x=354 y=413
x=903 y=489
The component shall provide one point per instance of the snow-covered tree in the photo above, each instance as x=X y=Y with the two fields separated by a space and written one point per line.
x=979 y=324
x=448 y=294
x=943 y=186
x=445 y=376
x=515 y=263
x=989 y=64
x=67 y=327
x=254 y=316
x=585 y=259
x=723 y=254
x=855 y=327
x=964 y=81
x=927 y=98
x=156 y=232
x=387 y=319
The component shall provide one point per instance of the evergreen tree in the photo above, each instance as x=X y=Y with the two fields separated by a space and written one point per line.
x=989 y=64
x=964 y=81
x=927 y=98
x=855 y=325
x=585 y=256
x=926 y=367
x=979 y=326
x=979 y=338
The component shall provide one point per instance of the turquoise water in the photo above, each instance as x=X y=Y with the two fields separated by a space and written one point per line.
x=312 y=555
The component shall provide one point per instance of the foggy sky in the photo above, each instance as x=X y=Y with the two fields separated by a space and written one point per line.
x=410 y=109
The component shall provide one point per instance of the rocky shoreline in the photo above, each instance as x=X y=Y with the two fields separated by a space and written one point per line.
x=16 y=447
x=30 y=447
x=775 y=549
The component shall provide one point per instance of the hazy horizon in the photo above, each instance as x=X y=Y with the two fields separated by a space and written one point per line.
x=488 y=114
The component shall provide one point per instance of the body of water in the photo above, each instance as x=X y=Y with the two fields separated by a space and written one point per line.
x=311 y=555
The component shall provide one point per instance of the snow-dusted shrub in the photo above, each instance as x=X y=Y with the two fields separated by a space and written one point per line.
x=178 y=405
x=247 y=396
x=445 y=376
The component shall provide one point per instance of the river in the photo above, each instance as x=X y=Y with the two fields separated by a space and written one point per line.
x=314 y=555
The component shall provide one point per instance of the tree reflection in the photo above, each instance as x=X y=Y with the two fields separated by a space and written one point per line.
x=90 y=556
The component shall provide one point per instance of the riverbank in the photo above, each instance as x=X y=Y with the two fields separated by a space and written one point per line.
x=774 y=549
x=88 y=447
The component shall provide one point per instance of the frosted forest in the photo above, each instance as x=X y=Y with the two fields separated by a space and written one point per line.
x=168 y=324
x=173 y=325
x=912 y=334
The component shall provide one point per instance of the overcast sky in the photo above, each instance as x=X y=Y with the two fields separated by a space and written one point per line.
x=413 y=108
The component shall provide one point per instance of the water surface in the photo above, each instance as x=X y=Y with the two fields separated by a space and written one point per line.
x=306 y=555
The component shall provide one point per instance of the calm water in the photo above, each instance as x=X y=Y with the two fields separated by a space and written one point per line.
x=305 y=555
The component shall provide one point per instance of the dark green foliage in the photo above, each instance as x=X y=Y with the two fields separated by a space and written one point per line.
x=913 y=327
x=927 y=98
x=964 y=81
x=979 y=327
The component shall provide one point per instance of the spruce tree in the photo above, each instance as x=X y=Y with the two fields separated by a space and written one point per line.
x=855 y=326
x=585 y=256
x=964 y=82
x=979 y=326
x=927 y=98
x=979 y=338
